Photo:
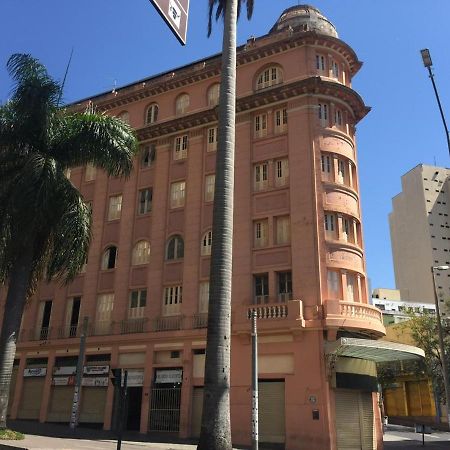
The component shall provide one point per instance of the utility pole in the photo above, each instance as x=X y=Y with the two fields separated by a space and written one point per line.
x=255 y=432
x=122 y=408
x=442 y=353
x=79 y=376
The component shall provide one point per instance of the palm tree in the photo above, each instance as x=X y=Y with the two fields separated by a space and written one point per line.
x=45 y=226
x=216 y=430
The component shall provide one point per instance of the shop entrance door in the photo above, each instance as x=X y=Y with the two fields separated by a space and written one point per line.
x=134 y=408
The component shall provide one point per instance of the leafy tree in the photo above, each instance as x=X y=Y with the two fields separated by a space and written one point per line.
x=45 y=225
x=215 y=429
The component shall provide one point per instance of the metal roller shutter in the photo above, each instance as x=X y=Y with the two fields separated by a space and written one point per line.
x=12 y=388
x=93 y=401
x=60 y=407
x=30 y=403
x=197 y=407
x=271 y=412
x=354 y=420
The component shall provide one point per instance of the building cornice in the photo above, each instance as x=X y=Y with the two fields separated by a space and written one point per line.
x=310 y=86
x=254 y=50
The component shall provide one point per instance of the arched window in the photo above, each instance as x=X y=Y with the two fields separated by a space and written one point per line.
x=182 y=104
x=124 y=116
x=141 y=253
x=269 y=77
x=151 y=115
x=175 y=248
x=206 y=243
x=213 y=94
x=109 y=258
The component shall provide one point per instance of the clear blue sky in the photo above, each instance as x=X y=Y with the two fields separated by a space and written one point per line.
x=120 y=41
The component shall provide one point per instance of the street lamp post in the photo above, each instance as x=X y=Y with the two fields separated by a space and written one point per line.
x=441 y=341
x=426 y=58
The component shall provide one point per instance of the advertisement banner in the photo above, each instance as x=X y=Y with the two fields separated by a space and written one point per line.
x=70 y=370
x=135 y=378
x=169 y=376
x=35 y=372
x=96 y=370
x=63 y=381
x=95 y=381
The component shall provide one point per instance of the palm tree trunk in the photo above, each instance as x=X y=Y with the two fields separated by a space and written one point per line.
x=216 y=429
x=15 y=303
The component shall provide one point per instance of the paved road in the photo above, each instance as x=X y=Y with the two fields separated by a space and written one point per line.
x=58 y=437
x=398 y=437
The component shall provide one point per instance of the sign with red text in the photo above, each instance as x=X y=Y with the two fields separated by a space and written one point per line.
x=175 y=13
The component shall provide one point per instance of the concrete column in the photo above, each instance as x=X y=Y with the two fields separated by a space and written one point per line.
x=146 y=389
x=344 y=285
x=47 y=387
x=340 y=227
x=186 y=392
x=335 y=169
x=359 y=288
x=350 y=174
x=18 y=388
x=107 y=418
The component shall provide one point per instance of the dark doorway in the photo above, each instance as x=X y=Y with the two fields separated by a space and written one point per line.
x=134 y=408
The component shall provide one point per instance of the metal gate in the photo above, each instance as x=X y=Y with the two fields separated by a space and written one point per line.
x=165 y=409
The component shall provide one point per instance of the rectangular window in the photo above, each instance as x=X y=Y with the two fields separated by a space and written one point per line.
x=148 y=155
x=347 y=229
x=138 y=300
x=335 y=69
x=203 y=297
x=329 y=223
x=333 y=284
x=115 y=207
x=177 y=194
x=43 y=320
x=261 y=288
x=145 y=201
x=180 y=147
x=320 y=63
x=323 y=114
x=261 y=231
x=261 y=176
x=326 y=166
x=350 y=287
x=281 y=172
x=261 y=125
x=283 y=225
x=341 y=171
x=284 y=286
x=72 y=317
x=173 y=296
x=105 y=305
x=213 y=137
x=280 y=120
x=209 y=187
x=338 y=117
x=90 y=172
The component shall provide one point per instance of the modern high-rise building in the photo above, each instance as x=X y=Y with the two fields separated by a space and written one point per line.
x=420 y=233
x=298 y=256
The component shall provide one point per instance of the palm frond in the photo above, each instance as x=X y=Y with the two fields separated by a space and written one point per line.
x=221 y=5
x=106 y=142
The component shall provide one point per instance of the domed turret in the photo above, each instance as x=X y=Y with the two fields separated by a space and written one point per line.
x=304 y=18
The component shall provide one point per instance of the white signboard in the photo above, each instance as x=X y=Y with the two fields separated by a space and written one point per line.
x=96 y=370
x=135 y=378
x=72 y=370
x=169 y=376
x=95 y=381
x=63 y=381
x=35 y=372
x=175 y=13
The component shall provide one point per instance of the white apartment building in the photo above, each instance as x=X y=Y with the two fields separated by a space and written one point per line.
x=420 y=233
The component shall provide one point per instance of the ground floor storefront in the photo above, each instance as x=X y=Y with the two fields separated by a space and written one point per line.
x=309 y=397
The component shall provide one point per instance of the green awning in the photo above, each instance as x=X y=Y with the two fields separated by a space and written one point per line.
x=377 y=351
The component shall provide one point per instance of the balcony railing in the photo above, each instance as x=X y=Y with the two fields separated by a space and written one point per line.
x=69 y=331
x=38 y=334
x=200 y=320
x=137 y=325
x=170 y=323
x=360 y=311
x=277 y=311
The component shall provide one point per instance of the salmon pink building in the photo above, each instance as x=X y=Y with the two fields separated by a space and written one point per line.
x=298 y=256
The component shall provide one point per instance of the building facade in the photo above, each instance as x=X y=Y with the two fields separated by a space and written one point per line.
x=298 y=255
x=420 y=234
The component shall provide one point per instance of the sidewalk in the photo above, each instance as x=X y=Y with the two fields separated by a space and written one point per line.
x=401 y=437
